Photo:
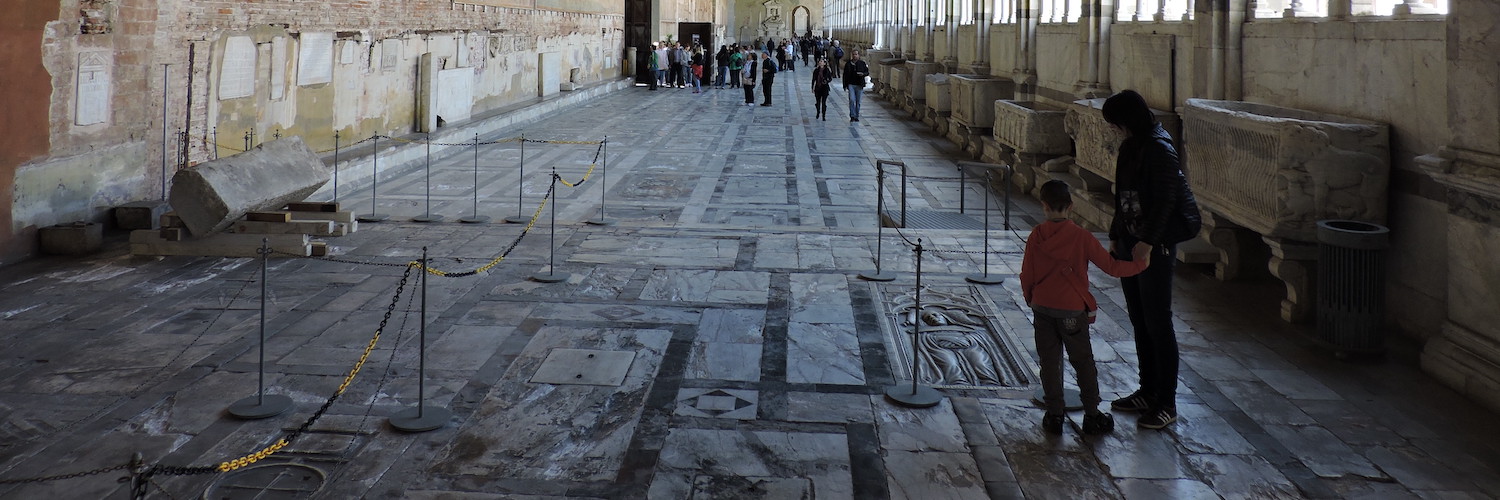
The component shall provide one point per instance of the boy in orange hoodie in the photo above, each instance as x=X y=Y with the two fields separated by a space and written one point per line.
x=1055 y=282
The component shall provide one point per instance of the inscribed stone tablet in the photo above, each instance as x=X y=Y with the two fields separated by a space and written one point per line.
x=237 y=72
x=390 y=54
x=346 y=51
x=92 y=98
x=278 y=67
x=315 y=59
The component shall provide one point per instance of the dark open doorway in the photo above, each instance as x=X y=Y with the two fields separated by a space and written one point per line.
x=638 y=35
x=701 y=33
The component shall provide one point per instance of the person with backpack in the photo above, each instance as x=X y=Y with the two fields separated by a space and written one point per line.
x=736 y=62
x=838 y=58
x=1154 y=211
x=747 y=76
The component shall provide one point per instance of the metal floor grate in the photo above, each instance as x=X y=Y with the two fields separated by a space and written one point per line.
x=928 y=219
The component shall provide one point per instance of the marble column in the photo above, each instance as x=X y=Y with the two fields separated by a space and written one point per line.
x=983 y=17
x=1466 y=355
x=1216 y=42
x=931 y=7
x=1028 y=13
x=950 y=51
x=1094 y=24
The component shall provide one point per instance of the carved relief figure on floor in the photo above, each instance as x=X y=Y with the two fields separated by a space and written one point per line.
x=952 y=348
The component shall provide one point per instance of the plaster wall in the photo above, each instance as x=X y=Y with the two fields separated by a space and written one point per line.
x=1058 y=56
x=1152 y=58
x=54 y=169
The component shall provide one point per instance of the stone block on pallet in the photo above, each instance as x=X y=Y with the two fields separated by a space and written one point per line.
x=212 y=196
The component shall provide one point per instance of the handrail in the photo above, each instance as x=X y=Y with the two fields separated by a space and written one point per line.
x=880 y=189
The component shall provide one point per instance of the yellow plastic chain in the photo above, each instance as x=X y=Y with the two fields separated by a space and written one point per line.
x=438 y=272
x=580 y=181
x=253 y=457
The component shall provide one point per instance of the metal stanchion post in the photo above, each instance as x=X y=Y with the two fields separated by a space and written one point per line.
x=916 y=395
x=247 y=140
x=476 y=218
x=552 y=275
x=335 y=166
x=421 y=418
x=603 y=170
x=261 y=405
x=374 y=184
x=985 y=278
x=879 y=227
x=216 y=142
x=520 y=186
x=164 y=101
x=428 y=217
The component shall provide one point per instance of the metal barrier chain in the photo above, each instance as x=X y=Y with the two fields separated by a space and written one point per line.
x=246 y=460
x=59 y=477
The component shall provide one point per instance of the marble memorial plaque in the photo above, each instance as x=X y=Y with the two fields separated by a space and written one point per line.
x=390 y=54
x=584 y=367
x=315 y=59
x=237 y=71
x=278 y=67
x=960 y=342
x=92 y=100
x=347 y=49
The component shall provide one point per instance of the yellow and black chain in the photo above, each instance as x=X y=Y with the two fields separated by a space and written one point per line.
x=246 y=460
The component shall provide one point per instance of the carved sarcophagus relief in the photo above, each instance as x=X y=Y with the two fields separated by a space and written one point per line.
x=1031 y=127
x=1277 y=171
x=974 y=98
x=1096 y=144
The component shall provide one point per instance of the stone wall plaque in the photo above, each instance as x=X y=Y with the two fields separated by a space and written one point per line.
x=390 y=54
x=278 y=67
x=91 y=103
x=455 y=99
x=347 y=50
x=237 y=70
x=315 y=59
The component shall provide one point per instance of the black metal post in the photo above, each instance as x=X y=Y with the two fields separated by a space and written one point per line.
x=520 y=186
x=428 y=217
x=476 y=218
x=374 y=184
x=879 y=226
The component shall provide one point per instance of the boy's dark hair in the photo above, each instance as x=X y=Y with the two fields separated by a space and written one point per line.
x=1129 y=110
x=1057 y=195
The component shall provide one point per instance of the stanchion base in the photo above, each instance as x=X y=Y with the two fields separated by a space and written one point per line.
x=925 y=397
x=600 y=222
x=880 y=276
x=478 y=219
x=258 y=407
x=517 y=219
x=432 y=418
x=1071 y=400
x=984 y=279
x=373 y=218
x=427 y=218
x=550 y=277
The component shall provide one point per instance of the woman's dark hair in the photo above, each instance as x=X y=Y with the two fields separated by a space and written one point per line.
x=1129 y=110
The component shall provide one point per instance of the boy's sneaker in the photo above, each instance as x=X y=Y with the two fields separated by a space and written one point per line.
x=1136 y=401
x=1098 y=423
x=1158 y=418
x=1053 y=423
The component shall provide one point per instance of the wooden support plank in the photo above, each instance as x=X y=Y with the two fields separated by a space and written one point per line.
x=333 y=216
x=170 y=219
x=312 y=227
x=269 y=216
x=172 y=233
x=150 y=242
x=308 y=206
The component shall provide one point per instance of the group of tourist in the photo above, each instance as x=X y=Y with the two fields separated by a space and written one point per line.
x=673 y=65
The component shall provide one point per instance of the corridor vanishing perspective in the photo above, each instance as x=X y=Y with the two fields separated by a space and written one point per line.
x=714 y=340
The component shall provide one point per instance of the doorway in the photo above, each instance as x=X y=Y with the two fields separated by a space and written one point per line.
x=638 y=35
x=700 y=33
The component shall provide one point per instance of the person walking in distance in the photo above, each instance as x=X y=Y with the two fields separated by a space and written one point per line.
x=855 y=72
x=768 y=71
x=748 y=75
x=822 y=83
x=1154 y=211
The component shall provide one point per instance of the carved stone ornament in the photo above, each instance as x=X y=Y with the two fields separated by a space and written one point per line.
x=957 y=344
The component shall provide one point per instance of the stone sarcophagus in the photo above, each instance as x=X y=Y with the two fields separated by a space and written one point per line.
x=883 y=73
x=1271 y=172
x=877 y=70
x=974 y=98
x=1277 y=171
x=1029 y=134
x=939 y=102
x=900 y=82
x=1096 y=143
x=916 y=93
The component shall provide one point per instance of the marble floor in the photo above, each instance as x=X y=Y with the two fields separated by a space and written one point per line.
x=715 y=341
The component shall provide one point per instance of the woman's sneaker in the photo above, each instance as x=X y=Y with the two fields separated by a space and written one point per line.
x=1053 y=423
x=1136 y=401
x=1158 y=418
x=1098 y=423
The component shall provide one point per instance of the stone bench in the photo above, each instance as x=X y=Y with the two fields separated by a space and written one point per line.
x=1271 y=173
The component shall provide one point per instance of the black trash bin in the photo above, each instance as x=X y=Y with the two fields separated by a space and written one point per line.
x=1351 y=286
